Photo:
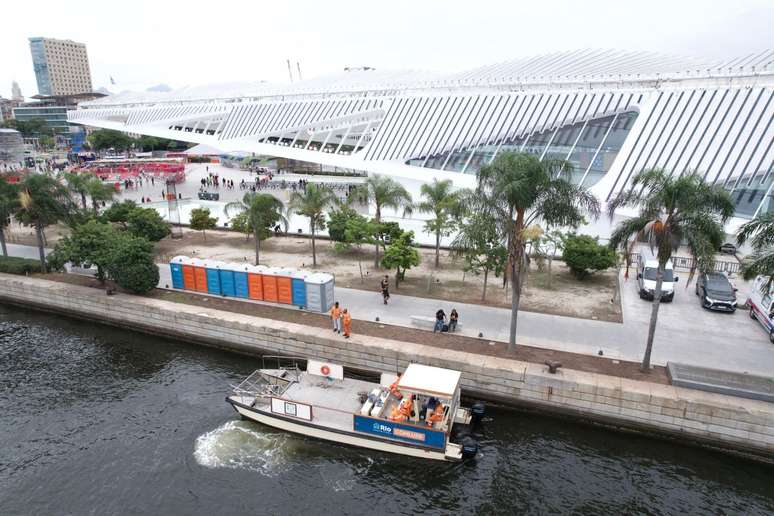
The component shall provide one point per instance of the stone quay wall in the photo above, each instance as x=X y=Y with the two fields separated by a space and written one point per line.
x=725 y=422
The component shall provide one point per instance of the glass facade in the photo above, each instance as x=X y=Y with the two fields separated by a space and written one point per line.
x=747 y=199
x=590 y=146
x=40 y=65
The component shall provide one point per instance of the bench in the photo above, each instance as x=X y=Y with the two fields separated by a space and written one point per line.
x=424 y=321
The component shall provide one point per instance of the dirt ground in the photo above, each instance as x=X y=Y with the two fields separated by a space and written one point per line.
x=574 y=361
x=589 y=299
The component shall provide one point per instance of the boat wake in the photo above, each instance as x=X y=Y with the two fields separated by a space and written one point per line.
x=238 y=445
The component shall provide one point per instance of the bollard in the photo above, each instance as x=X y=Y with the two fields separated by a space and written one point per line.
x=553 y=366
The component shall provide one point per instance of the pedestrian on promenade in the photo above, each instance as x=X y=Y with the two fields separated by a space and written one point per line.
x=453 y=318
x=440 y=319
x=346 y=318
x=385 y=287
x=336 y=317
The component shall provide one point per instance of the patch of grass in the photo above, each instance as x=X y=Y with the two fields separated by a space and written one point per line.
x=22 y=266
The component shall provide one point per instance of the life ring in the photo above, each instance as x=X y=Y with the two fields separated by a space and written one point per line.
x=325 y=370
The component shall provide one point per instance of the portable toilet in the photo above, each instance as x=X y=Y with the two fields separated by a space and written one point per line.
x=189 y=278
x=176 y=270
x=299 y=287
x=200 y=274
x=319 y=292
x=213 y=277
x=269 y=281
x=227 y=285
x=255 y=281
x=241 y=287
x=285 y=285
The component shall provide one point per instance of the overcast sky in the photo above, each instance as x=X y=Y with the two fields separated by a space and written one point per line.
x=194 y=42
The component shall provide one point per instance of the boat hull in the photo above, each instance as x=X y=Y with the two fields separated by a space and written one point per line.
x=351 y=439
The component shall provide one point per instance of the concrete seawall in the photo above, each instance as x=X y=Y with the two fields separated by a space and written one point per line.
x=725 y=422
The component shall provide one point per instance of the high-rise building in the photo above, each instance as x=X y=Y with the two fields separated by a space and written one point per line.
x=61 y=66
x=16 y=93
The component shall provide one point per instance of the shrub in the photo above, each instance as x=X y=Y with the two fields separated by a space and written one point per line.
x=139 y=277
x=583 y=255
x=23 y=266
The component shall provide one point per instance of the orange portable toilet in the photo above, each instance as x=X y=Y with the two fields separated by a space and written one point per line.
x=269 y=277
x=189 y=281
x=255 y=281
x=285 y=285
x=200 y=275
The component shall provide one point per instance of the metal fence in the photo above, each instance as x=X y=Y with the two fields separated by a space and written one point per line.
x=688 y=263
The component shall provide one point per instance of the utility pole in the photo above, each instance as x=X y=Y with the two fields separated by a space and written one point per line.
x=290 y=70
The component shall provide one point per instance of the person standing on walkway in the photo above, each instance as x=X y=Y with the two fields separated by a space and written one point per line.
x=336 y=317
x=440 y=318
x=385 y=286
x=346 y=318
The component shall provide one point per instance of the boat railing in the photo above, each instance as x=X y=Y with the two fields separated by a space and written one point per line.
x=260 y=384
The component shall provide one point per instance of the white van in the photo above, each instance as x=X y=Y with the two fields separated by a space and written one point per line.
x=761 y=306
x=646 y=279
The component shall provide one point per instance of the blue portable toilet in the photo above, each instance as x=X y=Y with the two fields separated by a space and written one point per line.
x=176 y=268
x=213 y=277
x=298 y=287
x=241 y=287
x=227 y=286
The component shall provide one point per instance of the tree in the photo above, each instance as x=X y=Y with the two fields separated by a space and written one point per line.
x=481 y=245
x=264 y=212
x=152 y=143
x=78 y=184
x=33 y=128
x=118 y=212
x=518 y=190
x=201 y=221
x=109 y=139
x=552 y=242
x=401 y=255
x=132 y=265
x=338 y=220
x=92 y=242
x=385 y=192
x=9 y=204
x=444 y=203
x=42 y=201
x=311 y=203
x=241 y=223
x=584 y=254
x=672 y=210
x=760 y=233
x=99 y=192
x=359 y=231
x=46 y=141
x=147 y=223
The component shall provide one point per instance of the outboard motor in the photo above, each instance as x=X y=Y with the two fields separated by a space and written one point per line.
x=477 y=412
x=469 y=447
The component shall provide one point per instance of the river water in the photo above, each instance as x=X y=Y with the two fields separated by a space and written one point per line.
x=96 y=420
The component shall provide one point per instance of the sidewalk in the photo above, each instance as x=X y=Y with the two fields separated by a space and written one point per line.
x=685 y=333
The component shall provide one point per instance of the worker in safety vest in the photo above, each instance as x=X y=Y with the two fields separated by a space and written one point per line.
x=336 y=317
x=347 y=320
x=436 y=416
x=403 y=411
x=394 y=388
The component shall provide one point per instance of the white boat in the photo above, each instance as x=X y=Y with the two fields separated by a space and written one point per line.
x=417 y=413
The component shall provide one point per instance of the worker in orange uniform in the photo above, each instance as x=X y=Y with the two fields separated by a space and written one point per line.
x=403 y=411
x=336 y=317
x=436 y=416
x=346 y=319
x=394 y=388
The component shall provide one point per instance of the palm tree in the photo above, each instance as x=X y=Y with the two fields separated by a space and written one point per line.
x=518 y=190
x=9 y=204
x=385 y=192
x=444 y=203
x=78 y=184
x=263 y=212
x=99 y=192
x=42 y=201
x=311 y=203
x=760 y=233
x=672 y=210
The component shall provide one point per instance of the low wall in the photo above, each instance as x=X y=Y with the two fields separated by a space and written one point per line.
x=726 y=422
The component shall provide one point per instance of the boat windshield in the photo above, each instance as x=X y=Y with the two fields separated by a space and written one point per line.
x=650 y=274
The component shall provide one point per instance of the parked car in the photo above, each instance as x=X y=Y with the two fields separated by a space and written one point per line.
x=646 y=279
x=761 y=308
x=716 y=292
x=728 y=248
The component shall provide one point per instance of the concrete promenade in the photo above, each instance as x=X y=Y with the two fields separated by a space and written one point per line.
x=686 y=333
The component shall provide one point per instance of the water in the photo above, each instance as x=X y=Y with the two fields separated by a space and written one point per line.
x=101 y=421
